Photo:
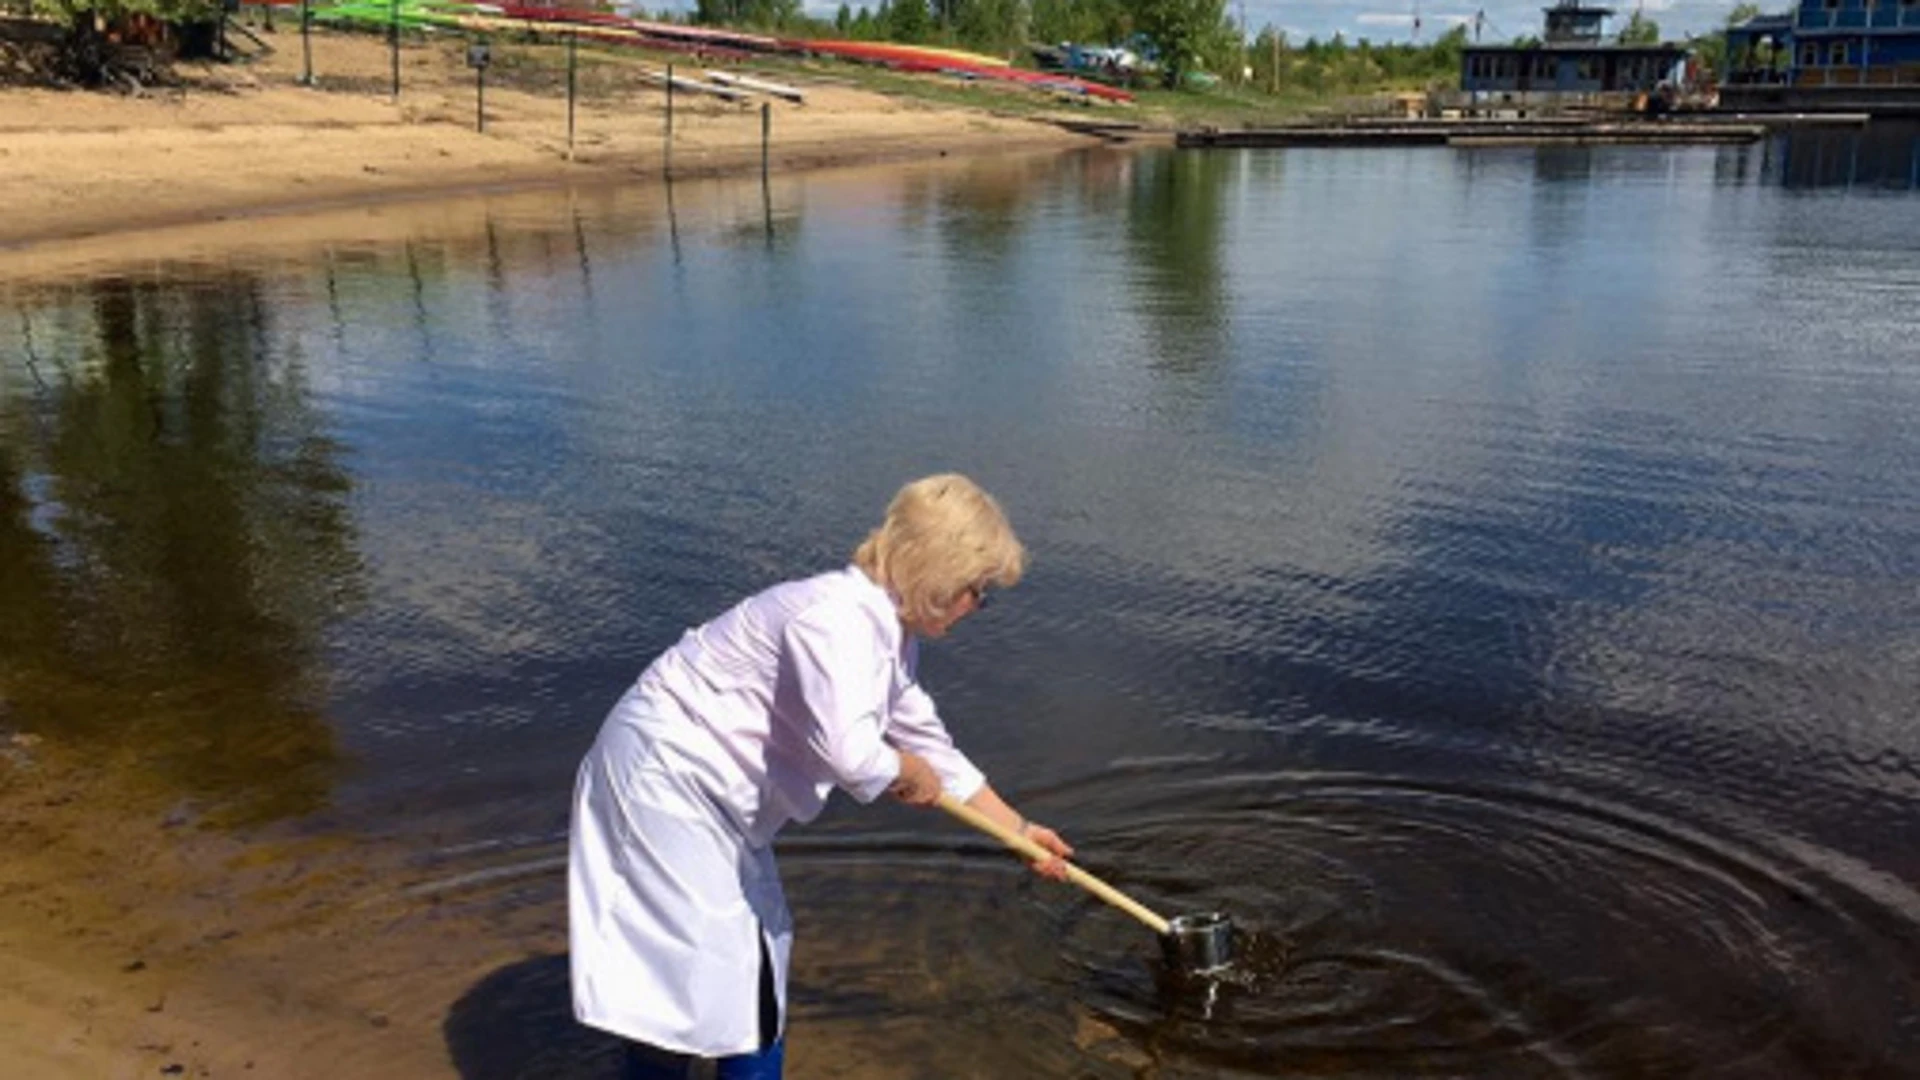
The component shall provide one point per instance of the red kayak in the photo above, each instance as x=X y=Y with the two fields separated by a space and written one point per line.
x=940 y=61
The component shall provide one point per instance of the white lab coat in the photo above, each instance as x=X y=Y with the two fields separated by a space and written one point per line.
x=747 y=723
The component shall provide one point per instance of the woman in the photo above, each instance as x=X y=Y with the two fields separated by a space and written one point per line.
x=679 y=929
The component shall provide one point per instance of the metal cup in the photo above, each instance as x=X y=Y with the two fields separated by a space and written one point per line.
x=1198 y=944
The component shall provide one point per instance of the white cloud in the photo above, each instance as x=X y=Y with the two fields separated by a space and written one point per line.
x=1383 y=18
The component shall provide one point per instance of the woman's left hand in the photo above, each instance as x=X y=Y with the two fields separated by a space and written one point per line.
x=1054 y=868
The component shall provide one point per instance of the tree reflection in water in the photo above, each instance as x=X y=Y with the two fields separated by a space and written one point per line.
x=174 y=540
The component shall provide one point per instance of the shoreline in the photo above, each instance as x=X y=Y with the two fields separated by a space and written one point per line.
x=249 y=142
x=719 y=164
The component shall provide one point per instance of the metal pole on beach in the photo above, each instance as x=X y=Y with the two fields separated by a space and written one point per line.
x=573 y=43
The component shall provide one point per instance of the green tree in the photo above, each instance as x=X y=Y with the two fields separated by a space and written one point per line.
x=1100 y=22
x=1185 y=32
x=991 y=25
x=907 y=20
x=1640 y=30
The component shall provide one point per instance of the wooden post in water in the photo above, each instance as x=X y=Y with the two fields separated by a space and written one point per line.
x=573 y=42
x=668 y=166
x=766 y=134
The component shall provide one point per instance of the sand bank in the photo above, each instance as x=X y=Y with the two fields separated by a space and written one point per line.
x=242 y=140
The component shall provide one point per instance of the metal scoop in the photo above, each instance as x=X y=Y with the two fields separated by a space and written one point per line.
x=1194 y=944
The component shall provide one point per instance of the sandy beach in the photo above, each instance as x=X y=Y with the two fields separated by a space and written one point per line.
x=240 y=140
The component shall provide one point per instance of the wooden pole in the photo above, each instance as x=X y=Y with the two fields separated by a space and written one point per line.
x=306 y=43
x=393 y=42
x=669 y=152
x=573 y=42
x=480 y=98
x=1154 y=921
x=766 y=134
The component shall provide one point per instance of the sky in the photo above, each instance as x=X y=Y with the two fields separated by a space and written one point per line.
x=1505 y=19
x=1387 y=21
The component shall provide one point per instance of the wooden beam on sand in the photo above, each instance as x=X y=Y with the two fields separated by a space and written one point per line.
x=772 y=89
x=681 y=82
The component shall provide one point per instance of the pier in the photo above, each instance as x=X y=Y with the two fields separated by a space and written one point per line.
x=1575 y=131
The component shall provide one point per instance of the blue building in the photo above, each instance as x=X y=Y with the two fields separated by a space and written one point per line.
x=1572 y=59
x=1828 y=43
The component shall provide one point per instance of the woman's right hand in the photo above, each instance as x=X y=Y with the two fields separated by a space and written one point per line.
x=917 y=784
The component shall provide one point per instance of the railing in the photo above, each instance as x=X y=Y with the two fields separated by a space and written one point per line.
x=1904 y=75
x=1882 y=16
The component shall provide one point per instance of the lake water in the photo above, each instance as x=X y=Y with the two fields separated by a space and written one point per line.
x=1491 y=576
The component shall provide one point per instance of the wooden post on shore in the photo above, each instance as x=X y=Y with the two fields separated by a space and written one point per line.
x=766 y=134
x=668 y=166
x=306 y=42
x=393 y=42
x=573 y=43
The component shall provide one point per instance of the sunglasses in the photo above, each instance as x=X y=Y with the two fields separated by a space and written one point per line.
x=979 y=594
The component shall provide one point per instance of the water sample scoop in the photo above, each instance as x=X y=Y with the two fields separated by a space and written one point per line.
x=1195 y=944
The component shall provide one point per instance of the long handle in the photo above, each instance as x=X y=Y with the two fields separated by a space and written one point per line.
x=1034 y=851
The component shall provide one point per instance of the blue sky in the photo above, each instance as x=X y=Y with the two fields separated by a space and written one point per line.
x=1378 y=21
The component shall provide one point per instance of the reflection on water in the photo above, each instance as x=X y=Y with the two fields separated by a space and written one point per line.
x=175 y=539
x=1486 y=575
x=1884 y=154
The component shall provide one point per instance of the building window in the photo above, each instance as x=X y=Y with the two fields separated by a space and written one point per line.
x=1830 y=5
x=1837 y=54
x=1809 y=55
x=1589 y=69
x=1544 y=69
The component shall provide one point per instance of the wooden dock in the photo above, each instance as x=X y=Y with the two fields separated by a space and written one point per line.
x=1537 y=132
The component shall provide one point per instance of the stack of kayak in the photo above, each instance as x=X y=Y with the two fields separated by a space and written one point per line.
x=455 y=15
x=506 y=18
x=966 y=65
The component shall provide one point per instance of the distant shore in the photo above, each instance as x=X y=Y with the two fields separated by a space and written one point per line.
x=245 y=140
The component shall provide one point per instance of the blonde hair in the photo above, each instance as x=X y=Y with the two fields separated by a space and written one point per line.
x=942 y=535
